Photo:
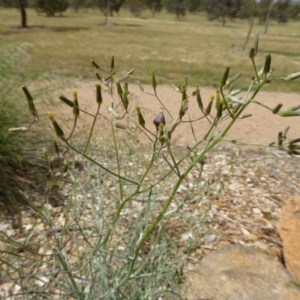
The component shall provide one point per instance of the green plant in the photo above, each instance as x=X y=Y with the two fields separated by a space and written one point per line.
x=132 y=256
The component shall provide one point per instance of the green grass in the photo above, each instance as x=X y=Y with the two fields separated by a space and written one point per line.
x=193 y=47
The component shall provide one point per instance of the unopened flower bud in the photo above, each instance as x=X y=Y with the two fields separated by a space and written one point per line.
x=183 y=92
x=277 y=109
x=59 y=132
x=30 y=103
x=267 y=66
x=94 y=64
x=183 y=108
x=225 y=76
x=198 y=97
x=153 y=81
x=112 y=63
x=140 y=116
x=208 y=109
x=160 y=119
x=66 y=101
x=98 y=94
x=76 y=106
x=55 y=146
x=252 y=53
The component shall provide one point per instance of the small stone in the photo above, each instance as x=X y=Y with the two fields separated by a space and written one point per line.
x=256 y=210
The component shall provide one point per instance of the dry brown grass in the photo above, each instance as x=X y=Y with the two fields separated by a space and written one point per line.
x=193 y=46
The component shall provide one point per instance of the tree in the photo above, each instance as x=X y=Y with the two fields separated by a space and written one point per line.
x=135 y=6
x=176 y=6
x=155 y=6
x=51 y=7
x=223 y=9
x=21 y=5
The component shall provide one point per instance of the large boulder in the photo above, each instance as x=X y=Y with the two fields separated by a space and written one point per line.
x=235 y=272
x=290 y=235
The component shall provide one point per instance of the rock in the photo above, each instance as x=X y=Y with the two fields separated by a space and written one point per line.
x=290 y=234
x=235 y=272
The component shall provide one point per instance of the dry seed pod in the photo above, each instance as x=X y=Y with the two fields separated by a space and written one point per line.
x=198 y=97
x=114 y=113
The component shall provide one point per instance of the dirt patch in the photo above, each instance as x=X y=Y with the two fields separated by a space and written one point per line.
x=261 y=127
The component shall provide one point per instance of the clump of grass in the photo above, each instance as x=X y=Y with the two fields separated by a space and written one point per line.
x=17 y=154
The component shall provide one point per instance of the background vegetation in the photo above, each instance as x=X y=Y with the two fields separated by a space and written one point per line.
x=193 y=46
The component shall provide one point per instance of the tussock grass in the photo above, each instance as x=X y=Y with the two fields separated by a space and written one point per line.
x=194 y=46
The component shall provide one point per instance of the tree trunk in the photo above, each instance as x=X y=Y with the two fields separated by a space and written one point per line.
x=268 y=16
x=250 y=24
x=23 y=14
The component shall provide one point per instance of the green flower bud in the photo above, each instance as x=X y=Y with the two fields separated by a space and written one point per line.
x=30 y=103
x=140 y=116
x=153 y=81
x=183 y=92
x=112 y=64
x=76 y=106
x=225 y=76
x=183 y=108
x=55 y=147
x=289 y=112
x=267 y=66
x=208 y=109
x=98 y=76
x=66 y=101
x=161 y=133
x=94 y=64
x=119 y=88
x=252 y=53
x=124 y=95
x=279 y=139
x=294 y=141
x=246 y=116
x=277 y=108
x=120 y=126
x=59 y=132
x=198 y=97
x=98 y=94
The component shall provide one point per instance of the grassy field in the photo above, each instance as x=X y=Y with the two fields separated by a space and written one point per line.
x=193 y=46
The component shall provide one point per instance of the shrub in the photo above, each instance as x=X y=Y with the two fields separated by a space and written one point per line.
x=110 y=254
